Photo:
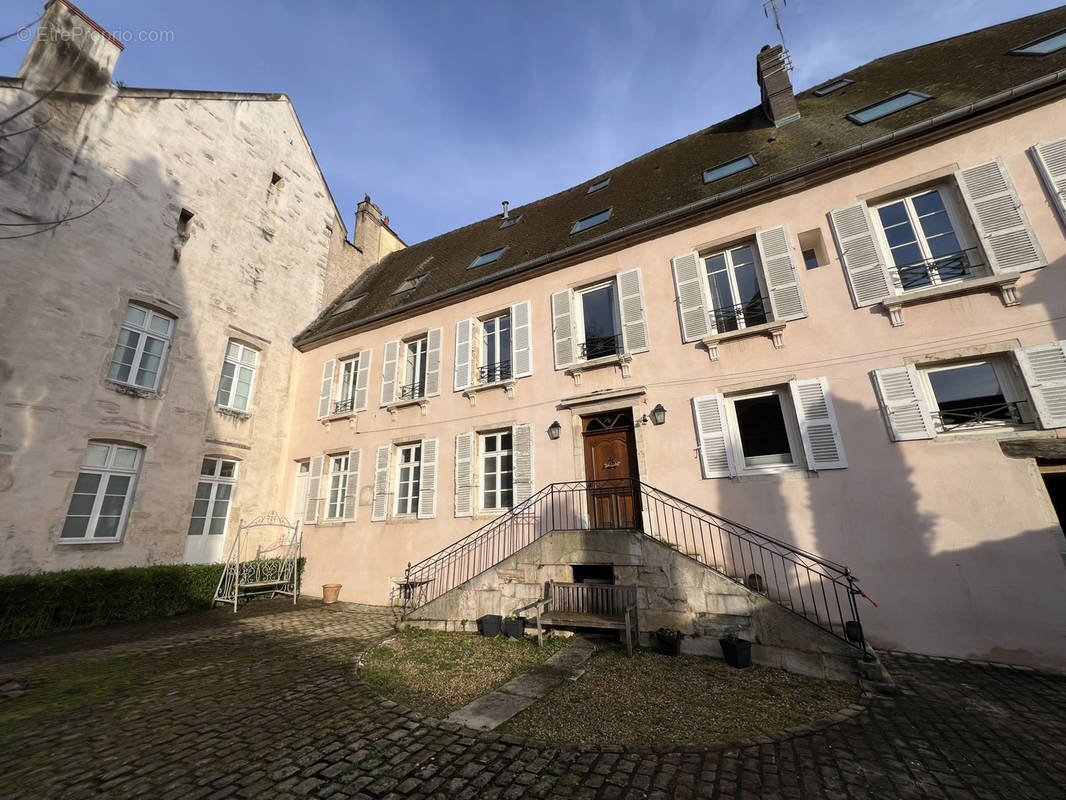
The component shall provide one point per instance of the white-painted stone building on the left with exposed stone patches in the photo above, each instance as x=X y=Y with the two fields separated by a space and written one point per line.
x=145 y=347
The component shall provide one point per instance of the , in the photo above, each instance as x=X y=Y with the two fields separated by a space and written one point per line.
x=846 y=294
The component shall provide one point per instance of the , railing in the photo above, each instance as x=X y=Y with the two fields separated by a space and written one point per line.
x=813 y=587
x=343 y=406
x=413 y=391
x=754 y=312
x=491 y=373
x=1006 y=412
x=955 y=267
x=600 y=346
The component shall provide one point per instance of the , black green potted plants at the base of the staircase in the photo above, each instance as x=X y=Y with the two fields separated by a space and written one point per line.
x=490 y=624
x=669 y=641
x=514 y=627
x=737 y=652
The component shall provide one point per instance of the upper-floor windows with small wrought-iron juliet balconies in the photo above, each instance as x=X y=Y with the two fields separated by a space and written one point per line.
x=493 y=349
x=750 y=285
x=967 y=231
x=995 y=392
x=411 y=370
x=344 y=385
x=604 y=322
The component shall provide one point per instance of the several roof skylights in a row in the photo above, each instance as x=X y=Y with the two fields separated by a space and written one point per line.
x=875 y=111
x=882 y=108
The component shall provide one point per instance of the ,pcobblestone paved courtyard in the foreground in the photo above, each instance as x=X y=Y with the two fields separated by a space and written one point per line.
x=266 y=704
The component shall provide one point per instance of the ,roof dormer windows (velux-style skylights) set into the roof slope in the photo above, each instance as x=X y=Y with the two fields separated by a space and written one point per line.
x=487 y=258
x=1042 y=46
x=602 y=183
x=411 y=283
x=348 y=305
x=883 y=108
x=897 y=92
x=829 y=88
x=729 y=168
x=591 y=221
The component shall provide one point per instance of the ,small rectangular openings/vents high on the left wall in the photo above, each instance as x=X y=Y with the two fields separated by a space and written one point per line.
x=184 y=218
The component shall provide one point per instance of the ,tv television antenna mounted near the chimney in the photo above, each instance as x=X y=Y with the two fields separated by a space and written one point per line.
x=771 y=6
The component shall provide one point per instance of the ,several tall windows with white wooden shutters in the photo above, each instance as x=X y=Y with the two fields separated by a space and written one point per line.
x=332 y=487
x=214 y=491
x=1004 y=391
x=407 y=474
x=102 y=493
x=497 y=470
x=299 y=489
x=745 y=285
x=780 y=427
x=738 y=299
x=338 y=486
x=1044 y=370
x=1050 y=158
x=314 y=490
x=143 y=341
x=965 y=228
x=354 y=374
x=953 y=397
x=493 y=469
x=494 y=348
x=599 y=330
x=766 y=433
x=413 y=383
x=344 y=384
x=925 y=239
x=599 y=321
x=411 y=369
x=238 y=376
x=408 y=478
x=351 y=486
x=348 y=369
